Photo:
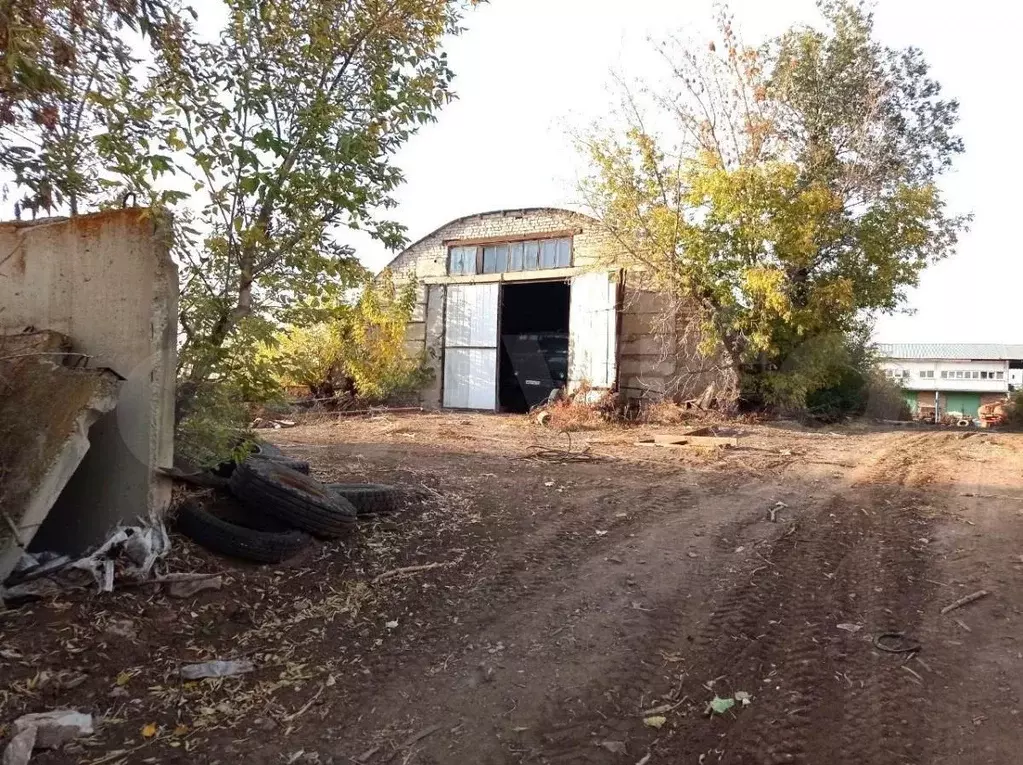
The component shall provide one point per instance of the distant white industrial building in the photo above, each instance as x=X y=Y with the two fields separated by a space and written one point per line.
x=957 y=377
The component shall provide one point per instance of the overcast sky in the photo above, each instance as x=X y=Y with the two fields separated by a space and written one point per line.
x=529 y=69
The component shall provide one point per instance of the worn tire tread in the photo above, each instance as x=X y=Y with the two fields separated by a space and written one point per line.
x=370 y=497
x=256 y=482
x=222 y=536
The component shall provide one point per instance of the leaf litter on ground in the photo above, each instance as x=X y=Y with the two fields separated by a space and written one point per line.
x=719 y=705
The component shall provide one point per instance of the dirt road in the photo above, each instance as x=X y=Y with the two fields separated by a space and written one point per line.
x=587 y=603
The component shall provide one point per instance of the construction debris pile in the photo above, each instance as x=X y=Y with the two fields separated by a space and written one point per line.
x=49 y=401
x=130 y=555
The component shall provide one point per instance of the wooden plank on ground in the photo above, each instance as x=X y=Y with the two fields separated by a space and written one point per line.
x=711 y=441
x=669 y=439
x=682 y=440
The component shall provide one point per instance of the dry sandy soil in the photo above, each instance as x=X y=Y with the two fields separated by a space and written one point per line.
x=584 y=603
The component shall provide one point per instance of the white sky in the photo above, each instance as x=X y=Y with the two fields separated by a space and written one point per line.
x=527 y=70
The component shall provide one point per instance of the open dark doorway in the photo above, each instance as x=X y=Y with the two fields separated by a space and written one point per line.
x=534 y=343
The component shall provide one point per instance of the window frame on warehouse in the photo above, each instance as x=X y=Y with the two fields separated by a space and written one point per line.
x=511 y=254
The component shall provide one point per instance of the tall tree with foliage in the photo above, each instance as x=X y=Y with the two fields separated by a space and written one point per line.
x=784 y=193
x=73 y=119
x=292 y=120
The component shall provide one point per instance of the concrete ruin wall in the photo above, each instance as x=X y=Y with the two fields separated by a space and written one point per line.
x=47 y=407
x=107 y=281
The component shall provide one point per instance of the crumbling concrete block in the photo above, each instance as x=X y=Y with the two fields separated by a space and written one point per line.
x=107 y=281
x=46 y=411
x=31 y=342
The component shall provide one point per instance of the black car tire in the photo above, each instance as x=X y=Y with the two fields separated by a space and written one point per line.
x=267 y=545
x=370 y=497
x=300 y=465
x=292 y=497
x=263 y=449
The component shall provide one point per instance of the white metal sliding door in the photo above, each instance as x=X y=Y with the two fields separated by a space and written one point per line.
x=470 y=346
x=593 y=330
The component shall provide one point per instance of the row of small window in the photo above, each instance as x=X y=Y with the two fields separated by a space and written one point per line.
x=959 y=374
x=514 y=256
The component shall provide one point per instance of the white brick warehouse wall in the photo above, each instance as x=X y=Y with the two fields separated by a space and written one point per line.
x=648 y=354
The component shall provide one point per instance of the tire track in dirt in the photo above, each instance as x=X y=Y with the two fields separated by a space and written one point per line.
x=821 y=694
x=523 y=570
x=859 y=542
x=526 y=567
x=731 y=628
x=656 y=638
x=891 y=587
x=888 y=598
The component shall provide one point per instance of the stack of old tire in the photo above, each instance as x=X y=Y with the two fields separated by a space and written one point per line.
x=274 y=508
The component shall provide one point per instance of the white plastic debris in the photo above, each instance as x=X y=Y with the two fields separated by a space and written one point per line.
x=129 y=554
x=25 y=563
x=19 y=750
x=136 y=548
x=216 y=669
x=146 y=546
x=56 y=728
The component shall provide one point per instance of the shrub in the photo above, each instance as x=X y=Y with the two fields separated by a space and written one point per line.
x=885 y=400
x=215 y=427
x=359 y=355
x=585 y=408
x=828 y=379
x=1014 y=417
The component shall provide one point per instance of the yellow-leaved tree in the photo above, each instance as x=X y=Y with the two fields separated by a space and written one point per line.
x=359 y=355
x=784 y=194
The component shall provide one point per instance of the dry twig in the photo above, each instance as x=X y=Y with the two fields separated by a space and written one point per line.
x=305 y=707
x=414 y=569
x=914 y=674
x=965 y=601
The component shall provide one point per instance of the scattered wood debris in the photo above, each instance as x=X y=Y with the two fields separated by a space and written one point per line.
x=773 y=511
x=406 y=570
x=698 y=437
x=965 y=601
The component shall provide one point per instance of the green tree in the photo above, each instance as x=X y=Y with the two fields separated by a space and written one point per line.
x=73 y=119
x=786 y=193
x=291 y=121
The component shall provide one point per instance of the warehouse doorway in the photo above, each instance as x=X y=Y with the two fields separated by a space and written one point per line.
x=534 y=343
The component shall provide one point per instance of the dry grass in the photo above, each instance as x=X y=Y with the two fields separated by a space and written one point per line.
x=663 y=412
x=585 y=409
